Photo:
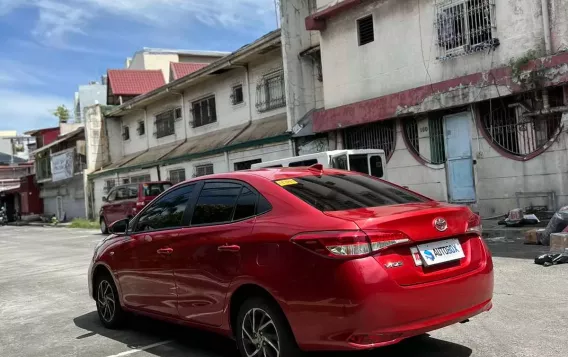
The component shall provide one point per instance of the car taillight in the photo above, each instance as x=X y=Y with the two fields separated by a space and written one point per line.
x=349 y=244
x=474 y=225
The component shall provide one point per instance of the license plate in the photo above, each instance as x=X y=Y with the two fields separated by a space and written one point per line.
x=441 y=252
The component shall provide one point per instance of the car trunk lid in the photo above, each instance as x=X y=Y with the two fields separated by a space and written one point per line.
x=417 y=221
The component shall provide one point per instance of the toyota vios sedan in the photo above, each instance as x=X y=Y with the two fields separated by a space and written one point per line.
x=295 y=259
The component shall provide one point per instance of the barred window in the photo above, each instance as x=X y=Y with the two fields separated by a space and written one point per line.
x=165 y=124
x=507 y=126
x=425 y=137
x=177 y=175
x=270 y=92
x=204 y=112
x=380 y=135
x=464 y=26
x=203 y=170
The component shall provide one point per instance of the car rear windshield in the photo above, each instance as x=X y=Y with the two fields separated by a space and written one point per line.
x=155 y=189
x=344 y=192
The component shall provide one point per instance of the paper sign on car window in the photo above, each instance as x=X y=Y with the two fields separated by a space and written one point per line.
x=287 y=182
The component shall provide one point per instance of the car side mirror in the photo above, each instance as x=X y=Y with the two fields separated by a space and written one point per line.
x=119 y=227
x=105 y=199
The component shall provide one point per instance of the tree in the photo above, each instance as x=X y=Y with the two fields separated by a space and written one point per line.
x=62 y=113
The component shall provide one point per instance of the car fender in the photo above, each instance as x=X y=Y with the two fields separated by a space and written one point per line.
x=112 y=274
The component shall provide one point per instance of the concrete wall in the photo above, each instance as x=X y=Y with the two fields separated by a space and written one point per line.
x=403 y=54
x=137 y=62
x=304 y=91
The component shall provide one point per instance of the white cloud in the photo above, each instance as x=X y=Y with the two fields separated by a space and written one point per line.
x=59 y=19
x=26 y=110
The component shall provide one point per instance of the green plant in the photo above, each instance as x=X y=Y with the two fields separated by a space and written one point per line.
x=517 y=64
x=84 y=223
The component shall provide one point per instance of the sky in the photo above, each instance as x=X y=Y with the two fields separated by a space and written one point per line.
x=50 y=47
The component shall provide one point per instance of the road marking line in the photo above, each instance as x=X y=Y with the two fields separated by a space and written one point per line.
x=136 y=350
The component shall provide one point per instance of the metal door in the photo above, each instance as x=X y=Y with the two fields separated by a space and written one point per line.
x=459 y=169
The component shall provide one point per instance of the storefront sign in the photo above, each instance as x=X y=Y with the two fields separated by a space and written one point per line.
x=62 y=165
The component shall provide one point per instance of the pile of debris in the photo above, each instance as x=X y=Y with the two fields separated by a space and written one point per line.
x=554 y=235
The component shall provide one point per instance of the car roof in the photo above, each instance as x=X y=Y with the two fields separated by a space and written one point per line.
x=272 y=174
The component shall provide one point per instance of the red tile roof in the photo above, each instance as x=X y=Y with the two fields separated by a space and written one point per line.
x=134 y=82
x=182 y=69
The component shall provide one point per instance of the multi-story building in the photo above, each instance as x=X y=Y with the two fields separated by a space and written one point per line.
x=174 y=64
x=222 y=117
x=467 y=97
x=88 y=95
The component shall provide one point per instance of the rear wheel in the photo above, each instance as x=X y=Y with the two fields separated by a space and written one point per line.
x=262 y=330
x=108 y=304
x=104 y=228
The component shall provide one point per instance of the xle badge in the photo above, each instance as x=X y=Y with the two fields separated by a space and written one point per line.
x=394 y=265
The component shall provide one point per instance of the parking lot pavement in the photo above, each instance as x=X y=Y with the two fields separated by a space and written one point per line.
x=45 y=309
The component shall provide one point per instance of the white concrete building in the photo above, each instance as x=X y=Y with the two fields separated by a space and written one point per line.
x=465 y=96
x=223 y=117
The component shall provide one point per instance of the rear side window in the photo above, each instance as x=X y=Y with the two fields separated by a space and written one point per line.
x=155 y=189
x=246 y=205
x=216 y=203
x=344 y=192
x=167 y=212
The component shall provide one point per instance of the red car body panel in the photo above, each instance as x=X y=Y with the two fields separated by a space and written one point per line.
x=331 y=304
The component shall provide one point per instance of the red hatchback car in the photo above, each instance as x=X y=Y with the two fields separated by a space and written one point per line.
x=126 y=201
x=296 y=259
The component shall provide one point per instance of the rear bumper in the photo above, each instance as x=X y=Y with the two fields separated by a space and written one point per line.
x=376 y=312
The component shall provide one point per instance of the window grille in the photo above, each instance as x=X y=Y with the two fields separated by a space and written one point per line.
x=464 y=26
x=380 y=135
x=165 y=124
x=429 y=132
x=204 y=112
x=270 y=92
x=203 y=170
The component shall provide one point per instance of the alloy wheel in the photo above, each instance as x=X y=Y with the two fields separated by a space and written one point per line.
x=259 y=334
x=106 y=301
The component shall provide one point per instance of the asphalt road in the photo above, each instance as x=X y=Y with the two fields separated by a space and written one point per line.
x=45 y=309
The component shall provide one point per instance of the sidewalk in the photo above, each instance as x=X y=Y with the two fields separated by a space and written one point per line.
x=39 y=224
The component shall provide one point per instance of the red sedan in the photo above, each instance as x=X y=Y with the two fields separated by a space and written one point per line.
x=288 y=259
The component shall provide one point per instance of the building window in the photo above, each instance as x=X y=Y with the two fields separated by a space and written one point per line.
x=109 y=184
x=380 y=135
x=140 y=179
x=425 y=137
x=204 y=112
x=125 y=133
x=270 y=92
x=245 y=165
x=165 y=124
x=506 y=124
x=237 y=94
x=464 y=26
x=43 y=166
x=365 y=30
x=141 y=128
x=177 y=176
x=203 y=170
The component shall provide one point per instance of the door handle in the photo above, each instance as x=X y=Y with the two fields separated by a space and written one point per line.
x=229 y=248
x=165 y=251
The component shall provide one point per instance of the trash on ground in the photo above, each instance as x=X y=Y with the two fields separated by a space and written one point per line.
x=532 y=236
x=558 y=242
x=551 y=259
x=516 y=218
x=557 y=223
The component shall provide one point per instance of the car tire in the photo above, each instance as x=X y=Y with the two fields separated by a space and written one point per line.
x=271 y=330
x=104 y=227
x=108 y=304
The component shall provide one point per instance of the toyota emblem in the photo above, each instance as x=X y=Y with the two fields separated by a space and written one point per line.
x=440 y=224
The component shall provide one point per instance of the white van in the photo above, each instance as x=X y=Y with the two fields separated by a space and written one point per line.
x=371 y=162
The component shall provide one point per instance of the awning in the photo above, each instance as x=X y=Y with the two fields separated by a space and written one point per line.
x=60 y=140
x=155 y=154
x=205 y=143
x=262 y=129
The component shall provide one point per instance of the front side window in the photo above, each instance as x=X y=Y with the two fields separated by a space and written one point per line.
x=121 y=193
x=216 y=203
x=132 y=191
x=345 y=192
x=111 y=196
x=167 y=212
x=165 y=124
x=204 y=112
